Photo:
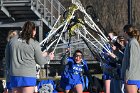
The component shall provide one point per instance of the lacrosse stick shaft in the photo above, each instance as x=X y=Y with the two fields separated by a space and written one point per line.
x=95 y=39
x=100 y=35
x=81 y=8
x=89 y=41
x=51 y=34
x=65 y=26
x=94 y=44
x=50 y=45
x=54 y=25
x=73 y=9
x=103 y=40
x=96 y=27
x=58 y=40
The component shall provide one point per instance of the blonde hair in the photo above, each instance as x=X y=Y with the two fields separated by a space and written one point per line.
x=11 y=34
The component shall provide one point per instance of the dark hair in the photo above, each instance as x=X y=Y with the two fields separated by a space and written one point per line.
x=114 y=33
x=77 y=51
x=130 y=30
x=27 y=31
x=120 y=38
x=117 y=43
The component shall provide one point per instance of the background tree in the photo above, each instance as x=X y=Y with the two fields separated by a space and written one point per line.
x=112 y=14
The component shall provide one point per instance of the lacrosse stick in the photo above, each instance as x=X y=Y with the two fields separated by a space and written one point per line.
x=54 y=25
x=77 y=31
x=72 y=10
x=78 y=26
x=48 y=47
x=103 y=39
x=81 y=8
x=53 y=32
x=94 y=37
x=84 y=27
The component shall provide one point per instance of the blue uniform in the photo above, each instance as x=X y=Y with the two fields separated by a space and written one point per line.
x=72 y=74
x=8 y=86
x=134 y=82
x=111 y=68
x=19 y=81
x=106 y=75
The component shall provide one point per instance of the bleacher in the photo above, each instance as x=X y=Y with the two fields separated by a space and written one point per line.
x=14 y=13
x=44 y=13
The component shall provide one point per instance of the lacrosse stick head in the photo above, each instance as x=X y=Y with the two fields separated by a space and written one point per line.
x=79 y=5
x=72 y=9
x=74 y=27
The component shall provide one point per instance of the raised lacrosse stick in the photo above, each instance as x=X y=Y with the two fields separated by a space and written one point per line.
x=77 y=31
x=103 y=40
x=78 y=26
x=93 y=43
x=81 y=8
x=72 y=10
x=48 y=47
x=53 y=32
x=54 y=26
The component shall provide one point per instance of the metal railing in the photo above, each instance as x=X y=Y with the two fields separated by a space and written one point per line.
x=47 y=10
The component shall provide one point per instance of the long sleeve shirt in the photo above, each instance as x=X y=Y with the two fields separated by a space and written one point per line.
x=21 y=58
x=131 y=61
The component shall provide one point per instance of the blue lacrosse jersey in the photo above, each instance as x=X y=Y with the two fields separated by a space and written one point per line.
x=106 y=65
x=73 y=71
